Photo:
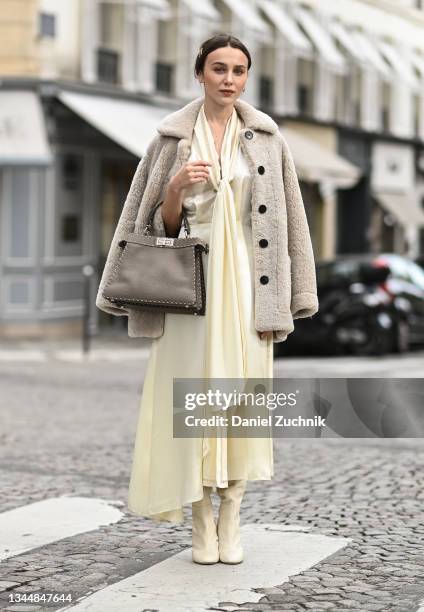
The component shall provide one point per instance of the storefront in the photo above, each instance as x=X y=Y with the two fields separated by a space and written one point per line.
x=322 y=172
x=397 y=215
x=66 y=164
x=354 y=205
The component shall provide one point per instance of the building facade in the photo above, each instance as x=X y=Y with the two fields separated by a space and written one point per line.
x=84 y=83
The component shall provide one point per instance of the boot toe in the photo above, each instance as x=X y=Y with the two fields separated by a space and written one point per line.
x=205 y=559
x=232 y=557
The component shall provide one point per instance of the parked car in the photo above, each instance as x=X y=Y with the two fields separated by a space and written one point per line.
x=420 y=261
x=368 y=305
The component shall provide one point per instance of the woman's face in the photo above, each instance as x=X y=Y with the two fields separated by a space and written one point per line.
x=224 y=75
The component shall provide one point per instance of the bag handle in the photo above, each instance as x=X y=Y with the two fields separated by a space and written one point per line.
x=152 y=213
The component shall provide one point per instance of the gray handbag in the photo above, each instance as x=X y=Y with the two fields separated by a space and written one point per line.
x=159 y=274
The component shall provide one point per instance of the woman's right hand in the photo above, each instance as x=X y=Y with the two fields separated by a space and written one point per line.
x=192 y=172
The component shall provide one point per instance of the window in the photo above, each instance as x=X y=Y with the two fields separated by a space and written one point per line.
x=108 y=65
x=47 y=25
x=353 y=94
x=71 y=172
x=336 y=272
x=266 y=91
x=342 y=97
x=70 y=204
x=397 y=265
x=111 y=25
x=110 y=42
x=305 y=86
x=416 y=111
x=167 y=54
x=70 y=228
x=385 y=107
x=416 y=274
x=164 y=77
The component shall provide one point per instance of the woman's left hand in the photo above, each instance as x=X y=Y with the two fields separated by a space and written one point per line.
x=266 y=335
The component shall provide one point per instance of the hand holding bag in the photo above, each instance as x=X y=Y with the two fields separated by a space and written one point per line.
x=159 y=274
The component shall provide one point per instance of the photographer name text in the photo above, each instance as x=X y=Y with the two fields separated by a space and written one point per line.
x=276 y=420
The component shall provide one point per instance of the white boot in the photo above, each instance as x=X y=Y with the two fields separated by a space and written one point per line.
x=230 y=549
x=205 y=540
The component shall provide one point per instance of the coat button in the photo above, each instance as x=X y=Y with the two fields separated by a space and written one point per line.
x=261 y=170
x=262 y=208
x=264 y=280
x=263 y=242
x=249 y=134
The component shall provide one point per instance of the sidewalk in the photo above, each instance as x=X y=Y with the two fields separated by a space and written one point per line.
x=109 y=347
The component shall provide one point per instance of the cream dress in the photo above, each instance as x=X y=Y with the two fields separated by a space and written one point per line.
x=169 y=472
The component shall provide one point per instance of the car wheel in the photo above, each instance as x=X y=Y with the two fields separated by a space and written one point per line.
x=401 y=343
x=378 y=343
x=333 y=346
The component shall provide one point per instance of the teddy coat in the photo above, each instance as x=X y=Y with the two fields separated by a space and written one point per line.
x=285 y=279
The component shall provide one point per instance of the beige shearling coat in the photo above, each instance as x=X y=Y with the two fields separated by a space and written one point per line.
x=285 y=280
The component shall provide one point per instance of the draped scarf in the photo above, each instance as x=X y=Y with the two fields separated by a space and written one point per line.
x=224 y=320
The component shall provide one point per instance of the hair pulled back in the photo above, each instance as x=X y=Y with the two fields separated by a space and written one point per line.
x=216 y=42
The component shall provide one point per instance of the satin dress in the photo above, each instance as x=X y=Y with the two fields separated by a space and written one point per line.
x=169 y=472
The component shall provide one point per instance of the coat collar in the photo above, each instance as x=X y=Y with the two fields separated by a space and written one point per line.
x=180 y=124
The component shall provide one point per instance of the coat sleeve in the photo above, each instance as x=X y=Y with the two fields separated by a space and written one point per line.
x=126 y=224
x=304 y=299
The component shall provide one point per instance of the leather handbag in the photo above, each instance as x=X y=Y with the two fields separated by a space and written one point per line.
x=159 y=274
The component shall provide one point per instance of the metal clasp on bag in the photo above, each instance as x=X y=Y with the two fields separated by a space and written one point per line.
x=160 y=241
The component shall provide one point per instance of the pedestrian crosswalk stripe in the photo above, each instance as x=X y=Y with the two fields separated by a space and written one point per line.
x=50 y=520
x=272 y=553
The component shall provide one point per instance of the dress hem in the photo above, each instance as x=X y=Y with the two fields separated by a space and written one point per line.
x=212 y=483
x=176 y=514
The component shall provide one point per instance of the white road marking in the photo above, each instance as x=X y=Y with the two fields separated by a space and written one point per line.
x=272 y=554
x=50 y=520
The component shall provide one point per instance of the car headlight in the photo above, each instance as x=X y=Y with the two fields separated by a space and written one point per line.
x=384 y=320
x=371 y=300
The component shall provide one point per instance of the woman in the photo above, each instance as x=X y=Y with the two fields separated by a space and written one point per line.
x=210 y=157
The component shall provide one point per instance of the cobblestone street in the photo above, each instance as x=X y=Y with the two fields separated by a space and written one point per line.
x=68 y=430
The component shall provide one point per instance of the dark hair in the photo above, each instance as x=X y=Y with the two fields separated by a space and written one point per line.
x=216 y=42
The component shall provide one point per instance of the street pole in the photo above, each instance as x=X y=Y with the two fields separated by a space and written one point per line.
x=88 y=271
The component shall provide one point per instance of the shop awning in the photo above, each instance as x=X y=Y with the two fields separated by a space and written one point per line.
x=204 y=9
x=314 y=163
x=286 y=26
x=403 y=206
x=130 y=124
x=320 y=38
x=417 y=60
x=161 y=9
x=400 y=64
x=23 y=137
x=249 y=16
x=347 y=41
x=365 y=51
x=373 y=55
